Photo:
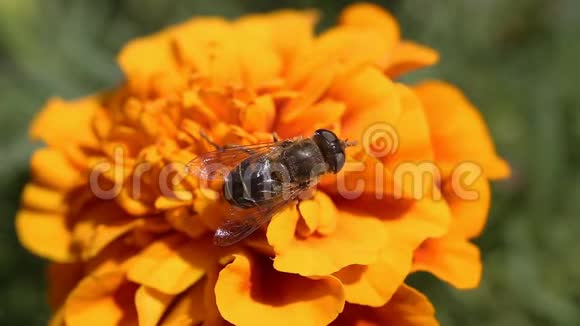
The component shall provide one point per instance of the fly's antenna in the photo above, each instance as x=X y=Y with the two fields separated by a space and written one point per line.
x=349 y=143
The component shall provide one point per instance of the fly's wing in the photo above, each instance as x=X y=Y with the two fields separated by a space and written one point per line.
x=217 y=164
x=243 y=222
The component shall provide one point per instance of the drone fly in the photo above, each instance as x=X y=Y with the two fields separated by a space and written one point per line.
x=260 y=179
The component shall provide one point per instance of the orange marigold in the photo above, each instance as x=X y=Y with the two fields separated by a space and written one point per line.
x=141 y=251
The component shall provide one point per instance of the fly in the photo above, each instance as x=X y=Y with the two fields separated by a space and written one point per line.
x=260 y=179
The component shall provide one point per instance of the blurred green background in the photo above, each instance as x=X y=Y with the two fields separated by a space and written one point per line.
x=517 y=60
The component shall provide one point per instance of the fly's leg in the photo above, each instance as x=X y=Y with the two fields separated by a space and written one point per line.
x=219 y=147
x=275 y=137
x=211 y=142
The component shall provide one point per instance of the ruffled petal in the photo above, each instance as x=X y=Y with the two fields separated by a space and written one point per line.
x=150 y=64
x=320 y=115
x=99 y=225
x=408 y=56
x=101 y=299
x=43 y=199
x=407 y=307
x=370 y=98
x=375 y=284
x=458 y=131
x=208 y=46
x=469 y=206
x=150 y=305
x=62 y=124
x=356 y=240
x=371 y=16
x=452 y=259
x=172 y=264
x=188 y=308
x=45 y=234
x=52 y=169
x=250 y=287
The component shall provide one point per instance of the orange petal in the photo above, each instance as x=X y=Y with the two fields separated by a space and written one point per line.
x=61 y=123
x=100 y=225
x=375 y=284
x=257 y=43
x=408 y=307
x=171 y=264
x=311 y=90
x=398 y=153
x=43 y=199
x=370 y=98
x=452 y=259
x=105 y=299
x=412 y=132
x=372 y=16
x=188 y=309
x=258 y=116
x=52 y=169
x=408 y=56
x=183 y=220
x=469 y=206
x=209 y=46
x=282 y=227
x=356 y=240
x=309 y=210
x=45 y=234
x=251 y=285
x=151 y=304
x=292 y=32
x=320 y=115
x=149 y=63
x=406 y=222
x=458 y=130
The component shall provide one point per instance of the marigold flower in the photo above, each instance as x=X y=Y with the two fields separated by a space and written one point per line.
x=140 y=250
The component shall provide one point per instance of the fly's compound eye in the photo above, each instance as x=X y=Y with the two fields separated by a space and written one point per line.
x=331 y=148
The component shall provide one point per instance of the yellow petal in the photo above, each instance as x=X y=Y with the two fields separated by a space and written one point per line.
x=458 y=130
x=150 y=305
x=45 y=234
x=408 y=307
x=251 y=285
x=452 y=259
x=172 y=264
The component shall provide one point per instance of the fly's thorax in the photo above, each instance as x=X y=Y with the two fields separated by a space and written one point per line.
x=304 y=161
